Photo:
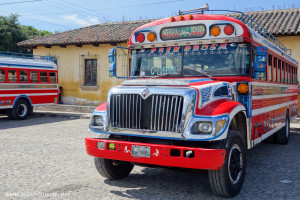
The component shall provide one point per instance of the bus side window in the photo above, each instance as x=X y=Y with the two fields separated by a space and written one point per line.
x=288 y=73
x=279 y=71
x=2 y=75
x=52 y=76
x=291 y=74
x=43 y=76
x=274 y=69
x=296 y=76
x=33 y=77
x=270 y=68
x=12 y=76
x=285 y=74
x=282 y=72
x=23 y=76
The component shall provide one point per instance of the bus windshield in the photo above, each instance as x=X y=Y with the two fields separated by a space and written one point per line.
x=195 y=60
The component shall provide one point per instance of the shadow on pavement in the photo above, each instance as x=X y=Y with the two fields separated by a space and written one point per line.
x=267 y=166
x=36 y=119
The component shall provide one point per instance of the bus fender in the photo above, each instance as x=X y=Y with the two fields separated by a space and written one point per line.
x=22 y=96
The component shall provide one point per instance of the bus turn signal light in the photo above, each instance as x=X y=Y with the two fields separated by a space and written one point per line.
x=243 y=88
x=151 y=37
x=228 y=29
x=215 y=31
x=140 y=37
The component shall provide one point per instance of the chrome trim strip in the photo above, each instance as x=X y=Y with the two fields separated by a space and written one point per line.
x=273 y=96
x=33 y=94
x=19 y=86
x=270 y=108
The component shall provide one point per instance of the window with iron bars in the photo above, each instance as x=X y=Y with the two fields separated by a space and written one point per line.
x=90 y=71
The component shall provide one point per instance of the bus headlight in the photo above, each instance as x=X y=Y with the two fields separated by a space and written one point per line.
x=205 y=127
x=97 y=121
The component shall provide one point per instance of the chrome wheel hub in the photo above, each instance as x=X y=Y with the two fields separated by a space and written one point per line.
x=22 y=110
x=235 y=164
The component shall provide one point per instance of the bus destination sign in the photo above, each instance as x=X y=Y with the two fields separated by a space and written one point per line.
x=183 y=32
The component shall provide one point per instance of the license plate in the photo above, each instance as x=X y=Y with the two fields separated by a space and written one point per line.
x=140 y=151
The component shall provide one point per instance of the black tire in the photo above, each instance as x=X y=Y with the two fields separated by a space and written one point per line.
x=112 y=169
x=20 y=111
x=282 y=136
x=222 y=181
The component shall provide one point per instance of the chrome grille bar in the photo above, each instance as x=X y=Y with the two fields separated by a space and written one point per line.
x=175 y=110
x=167 y=114
x=152 y=108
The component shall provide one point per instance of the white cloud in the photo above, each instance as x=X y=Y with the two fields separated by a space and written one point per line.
x=94 y=20
x=82 y=22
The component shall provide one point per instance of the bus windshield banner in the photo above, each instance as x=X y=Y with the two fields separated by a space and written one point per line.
x=183 y=32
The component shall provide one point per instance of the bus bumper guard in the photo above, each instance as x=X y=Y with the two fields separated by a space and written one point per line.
x=163 y=155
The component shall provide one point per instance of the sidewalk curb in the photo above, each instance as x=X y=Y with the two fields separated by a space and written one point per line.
x=58 y=114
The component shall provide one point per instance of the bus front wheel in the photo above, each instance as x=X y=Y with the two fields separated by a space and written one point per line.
x=228 y=180
x=112 y=169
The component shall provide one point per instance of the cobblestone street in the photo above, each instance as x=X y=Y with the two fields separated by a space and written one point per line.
x=45 y=158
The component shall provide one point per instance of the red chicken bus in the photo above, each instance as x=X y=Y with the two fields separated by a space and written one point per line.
x=202 y=90
x=26 y=81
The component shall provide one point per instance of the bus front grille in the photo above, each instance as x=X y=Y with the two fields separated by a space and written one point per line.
x=157 y=112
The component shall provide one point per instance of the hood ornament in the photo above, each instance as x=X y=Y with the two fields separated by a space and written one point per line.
x=145 y=93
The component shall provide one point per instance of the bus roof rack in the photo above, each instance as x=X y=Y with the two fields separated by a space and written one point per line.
x=249 y=21
x=26 y=56
x=202 y=9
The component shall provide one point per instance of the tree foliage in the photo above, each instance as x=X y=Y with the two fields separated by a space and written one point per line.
x=11 y=32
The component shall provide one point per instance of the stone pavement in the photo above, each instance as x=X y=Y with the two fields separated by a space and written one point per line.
x=45 y=158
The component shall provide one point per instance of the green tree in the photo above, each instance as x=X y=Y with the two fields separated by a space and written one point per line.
x=32 y=32
x=11 y=32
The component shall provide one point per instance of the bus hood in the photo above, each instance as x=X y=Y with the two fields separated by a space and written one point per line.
x=167 y=82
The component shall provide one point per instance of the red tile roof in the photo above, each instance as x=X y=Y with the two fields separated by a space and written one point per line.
x=117 y=32
x=278 y=22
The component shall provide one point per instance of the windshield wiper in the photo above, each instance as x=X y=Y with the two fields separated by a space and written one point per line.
x=204 y=73
x=201 y=72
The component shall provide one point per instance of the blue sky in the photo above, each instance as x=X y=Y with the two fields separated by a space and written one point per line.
x=63 y=15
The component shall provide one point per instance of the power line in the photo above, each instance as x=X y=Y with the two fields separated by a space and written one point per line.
x=113 y=8
x=62 y=7
x=19 y=2
x=41 y=21
x=87 y=9
x=51 y=4
x=139 y=5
